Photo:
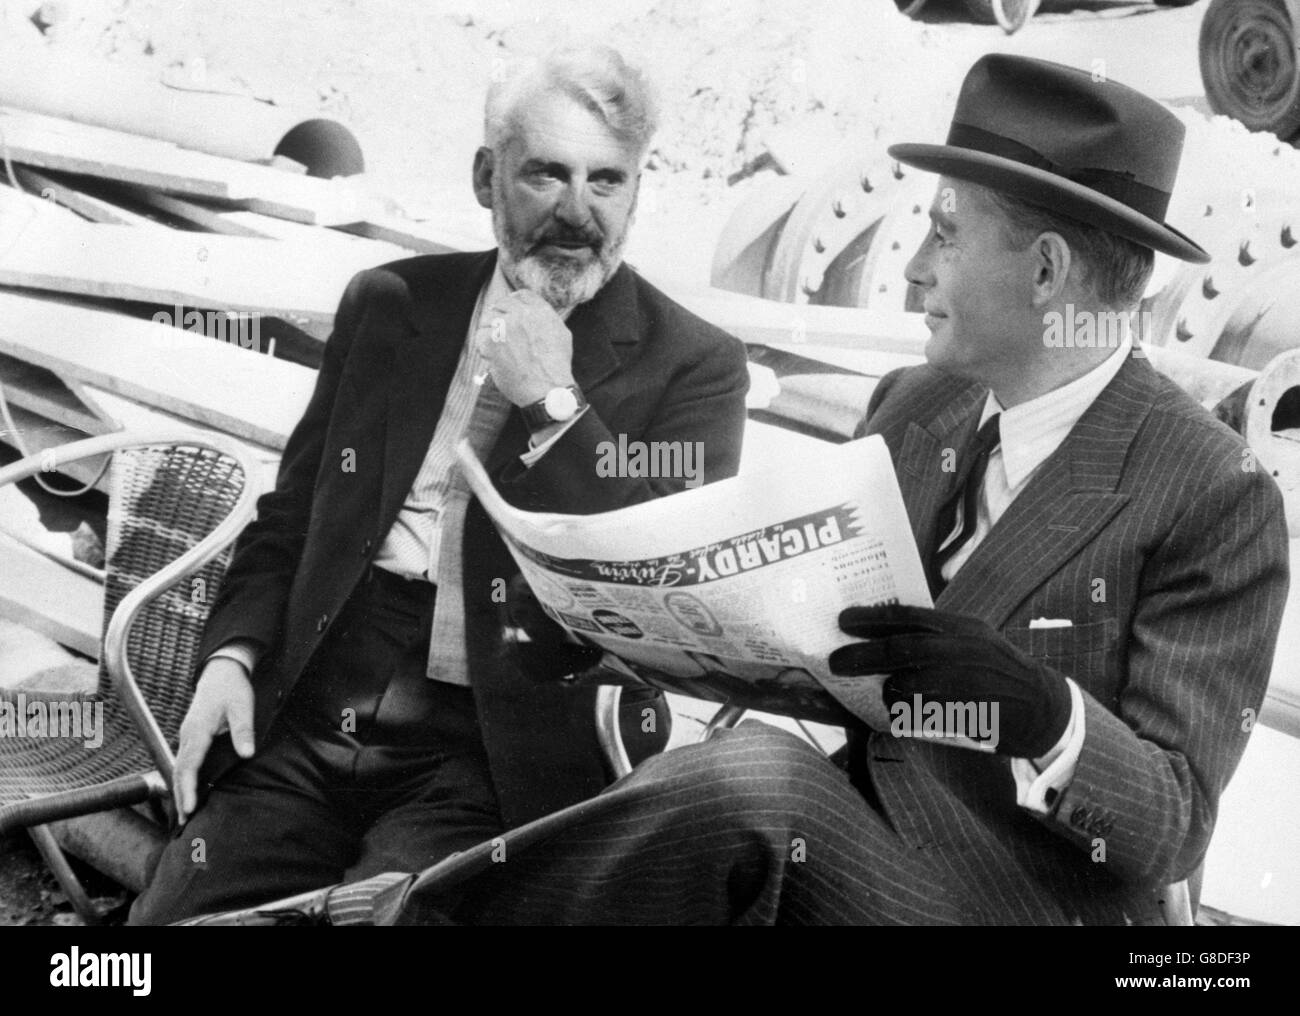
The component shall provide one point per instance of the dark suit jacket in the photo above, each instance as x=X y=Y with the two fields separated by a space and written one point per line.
x=648 y=368
x=1152 y=531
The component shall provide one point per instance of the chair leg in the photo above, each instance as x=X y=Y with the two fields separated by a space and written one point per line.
x=63 y=873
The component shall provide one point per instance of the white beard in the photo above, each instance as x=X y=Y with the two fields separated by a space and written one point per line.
x=562 y=282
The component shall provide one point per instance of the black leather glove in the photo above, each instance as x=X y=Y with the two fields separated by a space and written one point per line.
x=541 y=647
x=950 y=658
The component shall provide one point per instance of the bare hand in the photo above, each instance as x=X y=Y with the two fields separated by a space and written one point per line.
x=528 y=348
x=222 y=701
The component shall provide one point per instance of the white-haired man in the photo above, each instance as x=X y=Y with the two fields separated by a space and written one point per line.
x=378 y=718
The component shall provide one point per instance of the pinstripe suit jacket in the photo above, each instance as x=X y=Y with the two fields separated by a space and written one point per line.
x=1152 y=532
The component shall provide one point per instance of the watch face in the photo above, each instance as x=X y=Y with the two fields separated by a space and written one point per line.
x=561 y=404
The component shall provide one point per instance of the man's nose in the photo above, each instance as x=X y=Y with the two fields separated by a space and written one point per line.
x=917 y=270
x=572 y=208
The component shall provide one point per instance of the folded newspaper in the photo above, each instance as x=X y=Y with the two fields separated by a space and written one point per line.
x=732 y=591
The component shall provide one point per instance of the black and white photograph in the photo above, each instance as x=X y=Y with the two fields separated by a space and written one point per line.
x=673 y=462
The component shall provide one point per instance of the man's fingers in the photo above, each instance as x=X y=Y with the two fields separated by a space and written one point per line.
x=931 y=685
x=902 y=652
x=193 y=749
x=883 y=621
x=239 y=716
x=897 y=619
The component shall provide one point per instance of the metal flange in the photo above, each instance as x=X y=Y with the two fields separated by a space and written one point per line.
x=870 y=271
x=835 y=211
x=1245 y=240
x=1271 y=427
x=1264 y=321
x=743 y=253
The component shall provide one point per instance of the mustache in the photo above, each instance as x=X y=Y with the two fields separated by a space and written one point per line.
x=569 y=235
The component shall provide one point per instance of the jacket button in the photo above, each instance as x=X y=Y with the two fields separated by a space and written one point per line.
x=365 y=546
x=322 y=621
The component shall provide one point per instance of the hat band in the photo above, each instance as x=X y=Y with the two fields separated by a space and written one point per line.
x=1150 y=201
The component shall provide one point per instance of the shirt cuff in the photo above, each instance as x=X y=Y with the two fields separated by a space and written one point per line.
x=1040 y=782
x=536 y=450
x=241 y=651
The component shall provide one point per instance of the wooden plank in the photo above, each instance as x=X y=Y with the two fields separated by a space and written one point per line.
x=420 y=237
x=29 y=658
x=202 y=216
x=267 y=227
x=132 y=415
x=46 y=597
x=42 y=248
x=42 y=392
x=64 y=192
x=50 y=143
x=255 y=397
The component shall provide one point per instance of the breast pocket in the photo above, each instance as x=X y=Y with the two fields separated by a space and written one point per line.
x=1080 y=651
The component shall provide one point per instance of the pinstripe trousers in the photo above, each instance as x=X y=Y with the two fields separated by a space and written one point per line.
x=753 y=827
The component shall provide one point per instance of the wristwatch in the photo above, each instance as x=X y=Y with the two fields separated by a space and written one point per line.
x=559 y=406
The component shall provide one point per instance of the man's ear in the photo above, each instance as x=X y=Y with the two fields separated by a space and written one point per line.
x=1051 y=261
x=484 y=164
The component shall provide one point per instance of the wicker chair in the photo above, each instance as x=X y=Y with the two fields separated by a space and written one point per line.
x=178 y=499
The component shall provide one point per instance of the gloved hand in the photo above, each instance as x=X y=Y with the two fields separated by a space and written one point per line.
x=946 y=657
x=540 y=646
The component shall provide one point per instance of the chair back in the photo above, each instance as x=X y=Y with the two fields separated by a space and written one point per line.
x=163 y=499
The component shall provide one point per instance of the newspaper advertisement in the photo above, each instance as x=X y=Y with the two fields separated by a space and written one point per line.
x=731 y=591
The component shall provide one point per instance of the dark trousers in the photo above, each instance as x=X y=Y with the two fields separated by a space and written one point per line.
x=371 y=767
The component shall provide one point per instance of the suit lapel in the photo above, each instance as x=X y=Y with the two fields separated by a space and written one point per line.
x=1064 y=505
x=424 y=361
x=926 y=459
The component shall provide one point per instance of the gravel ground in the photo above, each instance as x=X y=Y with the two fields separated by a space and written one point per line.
x=30 y=895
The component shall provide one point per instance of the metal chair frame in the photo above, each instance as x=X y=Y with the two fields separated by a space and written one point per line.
x=149 y=786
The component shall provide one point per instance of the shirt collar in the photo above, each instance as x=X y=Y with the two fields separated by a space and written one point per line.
x=1033 y=430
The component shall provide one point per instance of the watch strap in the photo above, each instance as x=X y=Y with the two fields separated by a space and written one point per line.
x=537 y=418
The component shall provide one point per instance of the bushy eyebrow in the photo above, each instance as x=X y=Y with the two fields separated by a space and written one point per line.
x=558 y=169
x=554 y=168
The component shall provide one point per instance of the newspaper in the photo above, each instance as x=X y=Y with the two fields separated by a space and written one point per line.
x=730 y=591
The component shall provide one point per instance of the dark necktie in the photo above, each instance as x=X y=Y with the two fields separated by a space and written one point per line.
x=967 y=497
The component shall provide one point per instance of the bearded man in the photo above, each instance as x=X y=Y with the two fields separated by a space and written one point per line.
x=360 y=708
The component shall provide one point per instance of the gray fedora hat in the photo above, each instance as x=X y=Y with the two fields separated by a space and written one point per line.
x=1096 y=151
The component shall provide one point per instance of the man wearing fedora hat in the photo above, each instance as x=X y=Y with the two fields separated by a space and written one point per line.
x=1108 y=566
